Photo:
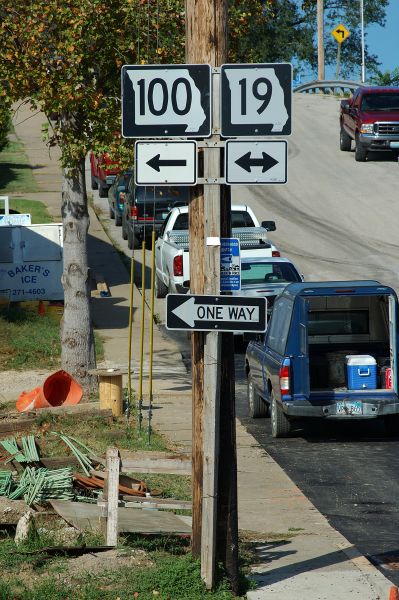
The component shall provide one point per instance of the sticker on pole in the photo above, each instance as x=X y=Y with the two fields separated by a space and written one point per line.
x=230 y=267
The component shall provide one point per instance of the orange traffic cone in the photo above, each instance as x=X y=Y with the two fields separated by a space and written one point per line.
x=59 y=389
x=393 y=593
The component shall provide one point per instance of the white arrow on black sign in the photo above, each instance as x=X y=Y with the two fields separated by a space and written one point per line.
x=257 y=161
x=210 y=313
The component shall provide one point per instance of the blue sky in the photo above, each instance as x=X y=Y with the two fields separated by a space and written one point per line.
x=382 y=41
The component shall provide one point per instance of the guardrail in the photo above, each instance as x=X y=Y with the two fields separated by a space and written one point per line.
x=328 y=86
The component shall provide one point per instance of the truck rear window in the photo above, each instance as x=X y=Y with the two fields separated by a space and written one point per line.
x=165 y=193
x=380 y=102
x=337 y=322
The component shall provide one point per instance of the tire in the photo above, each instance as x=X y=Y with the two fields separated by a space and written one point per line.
x=360 y=152
x=281 y=425
x=111 y=213
x=102 y=191
x=124 y=232
x=135 y=242
x=345 y=142
x=160 y=288
x=94 y=183
x=118 y=220
x=257 y=407
x=129 y=240
x=391 y=424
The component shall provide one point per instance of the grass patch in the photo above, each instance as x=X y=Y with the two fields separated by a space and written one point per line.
x=35 y=208
x=95 y=432
x=16 y=174
x=172 y=486
x=32 y=341
x=28 y=340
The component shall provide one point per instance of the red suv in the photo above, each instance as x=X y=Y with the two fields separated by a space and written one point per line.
x=371 y=118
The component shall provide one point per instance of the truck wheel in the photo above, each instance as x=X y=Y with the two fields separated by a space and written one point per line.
x=281 y=425
x=345 y=141
x=360 y=152
x=160 y=288
x=391 y=424
x=102 y=191
x=111 y=213
x=118 y=220
x=124 y=232
x=257 y=407
x=94 y=184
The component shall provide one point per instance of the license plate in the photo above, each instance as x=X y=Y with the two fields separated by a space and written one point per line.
x=394 y=144
x=347 y=407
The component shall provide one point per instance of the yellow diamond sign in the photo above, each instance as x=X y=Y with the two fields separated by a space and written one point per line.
x=340 y=33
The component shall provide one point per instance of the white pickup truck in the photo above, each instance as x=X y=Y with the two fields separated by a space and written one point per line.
x=172 y=267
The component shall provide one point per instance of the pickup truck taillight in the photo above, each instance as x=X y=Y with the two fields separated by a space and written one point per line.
x=133 y=213
x=275 y=253
x=178 y=266
x=284 y=377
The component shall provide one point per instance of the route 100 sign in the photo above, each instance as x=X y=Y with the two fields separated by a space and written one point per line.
x=166 y=101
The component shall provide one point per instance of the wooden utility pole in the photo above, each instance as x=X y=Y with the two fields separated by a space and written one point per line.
x=206 y=42
x=320 y=40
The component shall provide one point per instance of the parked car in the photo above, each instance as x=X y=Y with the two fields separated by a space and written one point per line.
x=103 y=171
x=371 y=118
x=116 y=196
x=172 y=256
x=146 y=208
x=330 y=351
x=266 y=276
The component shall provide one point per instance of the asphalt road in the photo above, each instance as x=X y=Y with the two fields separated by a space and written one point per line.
x=336 y=219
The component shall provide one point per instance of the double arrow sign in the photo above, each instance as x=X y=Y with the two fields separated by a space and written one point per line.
x=168 y=163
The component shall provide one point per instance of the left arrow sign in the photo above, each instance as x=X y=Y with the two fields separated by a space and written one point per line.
x=166 y=163
x=156 y=163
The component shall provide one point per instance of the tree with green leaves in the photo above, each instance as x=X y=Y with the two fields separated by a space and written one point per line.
x=346 y=12
x=65 y=57
x=5 y=123
x=387 y=78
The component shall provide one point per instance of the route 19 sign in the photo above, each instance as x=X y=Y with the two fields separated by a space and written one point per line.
x=165 y=101
x=256 y=99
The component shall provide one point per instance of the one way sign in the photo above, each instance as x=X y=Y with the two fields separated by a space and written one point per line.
x=166 y=163
x=215 y=313
x=256 y=162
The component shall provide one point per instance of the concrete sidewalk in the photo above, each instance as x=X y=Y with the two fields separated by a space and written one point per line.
x=310 y=560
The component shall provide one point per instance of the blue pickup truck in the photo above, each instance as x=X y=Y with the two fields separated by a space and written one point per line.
x=330 y=351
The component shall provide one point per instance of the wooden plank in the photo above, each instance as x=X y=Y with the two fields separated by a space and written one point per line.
x=159 y=503
x=157 y=462
x=17 y=425
x=113 y=463
x=86 y=517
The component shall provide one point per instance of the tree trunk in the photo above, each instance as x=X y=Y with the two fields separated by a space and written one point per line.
x=77 y=340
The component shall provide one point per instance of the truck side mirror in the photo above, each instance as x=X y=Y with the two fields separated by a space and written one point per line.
x=345 y=105
x=269 y=225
